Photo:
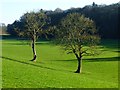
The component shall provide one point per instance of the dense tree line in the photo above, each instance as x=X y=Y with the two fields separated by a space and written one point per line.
x=105 y=17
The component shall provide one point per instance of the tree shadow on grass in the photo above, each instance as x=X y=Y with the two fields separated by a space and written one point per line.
x=112 y=44
x=102 y=59
x=22 y=62
x=118 y=51
x=92 y=59
x=69 y=60
x=28 y=43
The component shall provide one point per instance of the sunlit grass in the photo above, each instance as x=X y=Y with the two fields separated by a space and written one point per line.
x=55 y=68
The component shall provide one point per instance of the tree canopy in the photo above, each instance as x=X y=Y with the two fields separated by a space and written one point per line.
x=77 y=34
x=31 y=25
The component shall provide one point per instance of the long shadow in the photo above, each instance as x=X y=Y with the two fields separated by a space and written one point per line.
x=92 y=59
x=102 y=59
x=112 y=44
x=118 y=51
x=10 y=59
x=65 y=60
x=28 y=43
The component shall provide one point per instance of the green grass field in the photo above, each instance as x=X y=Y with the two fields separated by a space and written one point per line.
x=55 y=69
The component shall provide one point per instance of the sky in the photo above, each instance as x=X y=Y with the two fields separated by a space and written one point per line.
x=11 y=10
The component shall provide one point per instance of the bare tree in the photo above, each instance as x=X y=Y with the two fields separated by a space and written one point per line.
x=33 y=26
x=77 y=34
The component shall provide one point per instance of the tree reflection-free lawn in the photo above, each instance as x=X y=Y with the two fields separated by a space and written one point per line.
x=55 y=68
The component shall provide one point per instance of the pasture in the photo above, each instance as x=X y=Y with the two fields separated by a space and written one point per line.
x=55 y=69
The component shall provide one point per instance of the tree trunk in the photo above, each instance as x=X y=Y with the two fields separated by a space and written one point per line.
x=79 y=68
x=33 y=47
x=79 y=58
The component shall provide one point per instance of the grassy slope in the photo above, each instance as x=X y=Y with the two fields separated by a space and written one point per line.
x=54 y=68
x=0 y=64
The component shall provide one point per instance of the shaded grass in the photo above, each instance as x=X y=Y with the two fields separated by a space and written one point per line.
x=54 y=68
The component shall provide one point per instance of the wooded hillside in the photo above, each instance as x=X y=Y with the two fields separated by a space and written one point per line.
x=106 y=18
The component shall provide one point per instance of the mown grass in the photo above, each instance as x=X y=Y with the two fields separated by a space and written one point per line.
x=0 y=65
x=55 y=69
